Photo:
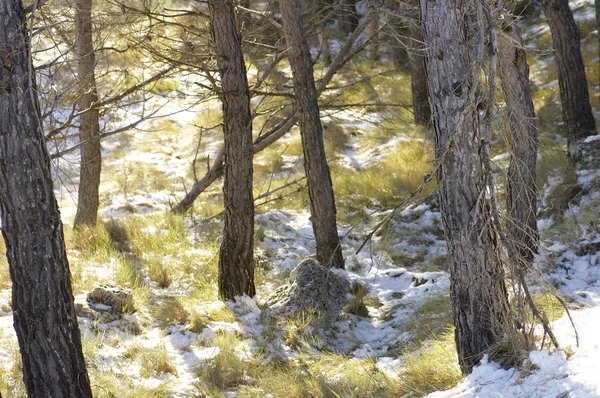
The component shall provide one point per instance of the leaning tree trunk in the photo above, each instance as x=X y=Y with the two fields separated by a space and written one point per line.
x=577 y=112
x=42 y=300
x=320 y=190
x=236 y=261
x=89 y=126
x=478 y=292
x=521 y=197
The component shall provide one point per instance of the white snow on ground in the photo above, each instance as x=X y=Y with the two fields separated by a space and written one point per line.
x=552 y=374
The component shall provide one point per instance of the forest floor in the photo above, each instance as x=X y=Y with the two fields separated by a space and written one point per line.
x=397 y=339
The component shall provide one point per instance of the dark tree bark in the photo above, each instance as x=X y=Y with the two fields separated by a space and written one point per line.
x=44 y=314
x=597 y=4
x=89 y=127
x=244 y=17
x=347 y=16
x=521 y=197
x=236 y=256
x=320 y=190
x=421 y=109
x=322 y=8
x=577 y=112
x=478 y=292
x=399 y=40
x=374 y=42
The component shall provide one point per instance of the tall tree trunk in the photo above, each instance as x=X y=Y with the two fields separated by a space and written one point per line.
x=577 y=112
x=321 y=10
x=478 y=292
x=236 y=256
x=89 y=127
x=244 y=17
x=398 y=41
x=347 y=16
x=373 y=49
x=597 y=4
x=320 y=190
x=521 y=197
x=44 y=314
x=421 y=108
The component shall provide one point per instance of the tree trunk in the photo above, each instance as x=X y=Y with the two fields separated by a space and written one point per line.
x=597 y=4
x=236 y=261
x=347 y=16
x=421 y=109
x=321 y=10
x=320 y=190
x=399 y=38
x=44 y=314
x=374 y=42
x=89 y=127
x=478 y=292
x=577 y=112
x=521 y=198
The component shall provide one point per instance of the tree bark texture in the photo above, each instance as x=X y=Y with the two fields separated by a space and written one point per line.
x=43 y=310
x=577 y=112
x=478 y=292
x=89 y=126
x=374 y=42
x=421 y=109
x=521 y=196
x=320 y=190
x=236 y=256
x=597 y=5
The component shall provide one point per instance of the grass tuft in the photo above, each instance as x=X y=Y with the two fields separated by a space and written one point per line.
x=433 y=368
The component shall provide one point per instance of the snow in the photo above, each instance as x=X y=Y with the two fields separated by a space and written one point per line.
x=552 y=373
x=400 y=288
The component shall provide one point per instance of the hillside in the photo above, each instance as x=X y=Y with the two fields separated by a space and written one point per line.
x=395 y=338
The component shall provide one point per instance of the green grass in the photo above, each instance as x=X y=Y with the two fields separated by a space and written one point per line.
x=5 y=281
x=430 y=319
x=388 y=182
x=433 y=368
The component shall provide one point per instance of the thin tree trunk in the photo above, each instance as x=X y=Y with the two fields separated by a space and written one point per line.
x=374 y=41
x=521 y=197
x=89 y=127
x=244 y=17
x=421 y=108
x=44 y=314
x=236 y=256
x=597 y=4
x=577 y=112
x=347 y=16
x=399 y=38
x=320 y=190
x=276 y=133
x=478 y=292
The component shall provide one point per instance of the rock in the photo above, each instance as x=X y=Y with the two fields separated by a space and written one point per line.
x=111 y=300
x=585 y=153
x=312 y=288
